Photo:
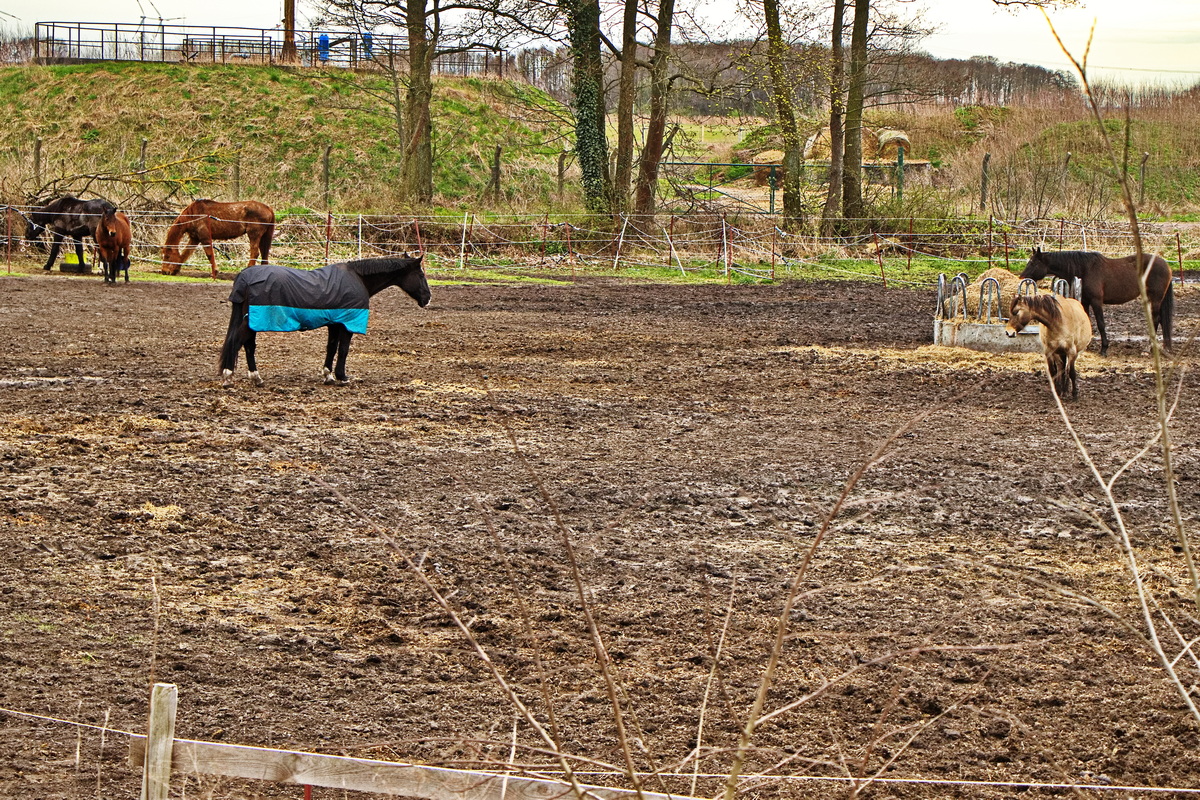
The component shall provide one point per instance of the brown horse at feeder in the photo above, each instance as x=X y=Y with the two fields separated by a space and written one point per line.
x=113 y=240
x=206 y=221
x=1110 y=281
x=1065 y=332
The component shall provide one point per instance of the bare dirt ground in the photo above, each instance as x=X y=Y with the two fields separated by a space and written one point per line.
x=159 y=527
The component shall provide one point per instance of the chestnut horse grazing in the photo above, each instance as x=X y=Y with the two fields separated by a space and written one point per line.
x=206 y=221
x=1065 y=332
x=1110 y=281
x=338 y=297
x=113 y=238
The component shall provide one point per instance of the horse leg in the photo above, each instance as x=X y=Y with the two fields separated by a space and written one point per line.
x=343 y=350
x=212 y=258
x=264 y=243
x=1098 y=313
x=1073 y=375
x=239 y=329
x=1054 y=368
x=331 y=344
x=1165 y=314
x=252 y=363
x=56 y=240
x=79 y=250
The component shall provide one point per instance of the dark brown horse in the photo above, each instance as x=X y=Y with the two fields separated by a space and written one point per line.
x=113 y=239
x=206 y=221
x=1110 y=281
x=66 y=216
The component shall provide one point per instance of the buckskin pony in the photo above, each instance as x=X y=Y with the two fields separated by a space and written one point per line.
x=206 y=221
x=113 y=240
x=1110 y=281
x=65 y=216
x=268 y=297
x=1065 y=332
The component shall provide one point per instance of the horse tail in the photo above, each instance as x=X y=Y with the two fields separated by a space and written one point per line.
x=264 y=244
x=229 y=351
x=1166 y=313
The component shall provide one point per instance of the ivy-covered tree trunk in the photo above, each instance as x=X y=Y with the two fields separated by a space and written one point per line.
x=852 y=188
x=656 y=127
x=837 y=123
x=591 y=142
x=417 y=169
x=782 y=96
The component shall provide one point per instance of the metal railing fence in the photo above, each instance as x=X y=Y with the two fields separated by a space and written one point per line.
x=57 y=42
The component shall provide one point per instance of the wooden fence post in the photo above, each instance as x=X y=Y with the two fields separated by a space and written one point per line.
x=142 y=157
x=879 y=256
x=911 y=238
x=462 y=250
x=37 y=162
x=1179 y=251
x=160 y=739
x=562 y=171
x=1142 y=180
x=496 y=175
x=983 y=183
x=991 y=244
x=326 y=172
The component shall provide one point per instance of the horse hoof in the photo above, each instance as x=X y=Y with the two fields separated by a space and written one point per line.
x=227 y=377
x=255 y=378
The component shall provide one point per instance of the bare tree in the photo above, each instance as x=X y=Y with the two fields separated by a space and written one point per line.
x=406 y=36
x=656 y=126
x=837 y=110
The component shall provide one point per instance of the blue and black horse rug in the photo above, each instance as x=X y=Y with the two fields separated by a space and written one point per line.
x=267 y=297
x=286 y=299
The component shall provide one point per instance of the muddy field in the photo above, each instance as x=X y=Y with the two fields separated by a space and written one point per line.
x=249 y=544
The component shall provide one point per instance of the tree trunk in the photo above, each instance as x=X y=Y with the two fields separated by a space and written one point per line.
x=288 y=54
x=417 y=170
x=837 y=125
x=852 y=194
x=782 y=95
x=591 y=143
x=398 y=102
x=660 y=91
x=626 y=94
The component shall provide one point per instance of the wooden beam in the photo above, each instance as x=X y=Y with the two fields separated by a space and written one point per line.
x=159 y=761
x=364 y=775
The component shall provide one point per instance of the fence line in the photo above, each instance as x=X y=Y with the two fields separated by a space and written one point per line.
x=437 y=783
x=751 y=246
x=216 y=44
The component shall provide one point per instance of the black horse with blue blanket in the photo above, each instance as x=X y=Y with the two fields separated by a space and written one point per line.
x=268 y=297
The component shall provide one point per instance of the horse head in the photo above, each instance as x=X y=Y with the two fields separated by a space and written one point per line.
x=1019 y=315
x=33 y=234
x=414 y=284
x=1037 y=267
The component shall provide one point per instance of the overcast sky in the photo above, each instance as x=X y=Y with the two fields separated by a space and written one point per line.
x=1136 y=40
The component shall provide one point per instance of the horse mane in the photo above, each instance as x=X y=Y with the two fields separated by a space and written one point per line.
x=376 y=266
x=1070 y=263
x=1043 y=305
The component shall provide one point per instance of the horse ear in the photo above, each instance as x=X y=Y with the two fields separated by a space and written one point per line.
x=1037 y=251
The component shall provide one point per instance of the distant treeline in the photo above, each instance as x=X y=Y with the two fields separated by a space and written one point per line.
x=727 y=78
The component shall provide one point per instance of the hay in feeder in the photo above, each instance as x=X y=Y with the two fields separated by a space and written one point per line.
x=1008 y=290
